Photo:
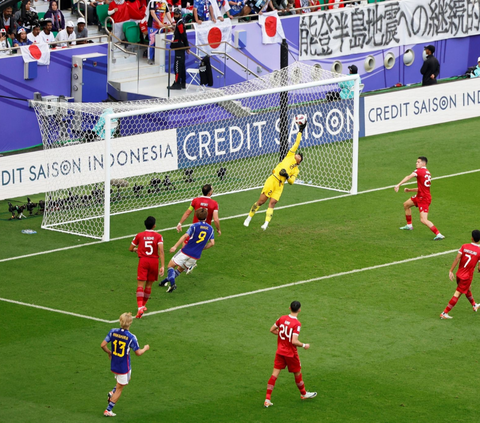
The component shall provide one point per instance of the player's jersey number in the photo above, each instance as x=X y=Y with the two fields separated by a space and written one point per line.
x=428 y=180
x=119 y=348
x=149 y=248
x=469 y=257
x=285 y=333
x=201 y=237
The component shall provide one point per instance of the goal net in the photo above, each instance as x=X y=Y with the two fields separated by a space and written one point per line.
x=104 y=159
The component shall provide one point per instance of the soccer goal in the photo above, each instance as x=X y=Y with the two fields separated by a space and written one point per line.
x=104 y=159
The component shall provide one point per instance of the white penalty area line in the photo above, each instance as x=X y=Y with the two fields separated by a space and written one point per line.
x=56 y=311
x=243 y=294
x=233 y=217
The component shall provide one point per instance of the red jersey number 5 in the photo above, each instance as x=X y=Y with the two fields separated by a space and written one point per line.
x=285 y=333
x=148 y=248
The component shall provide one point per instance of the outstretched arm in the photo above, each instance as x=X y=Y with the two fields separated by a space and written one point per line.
x=407 y=178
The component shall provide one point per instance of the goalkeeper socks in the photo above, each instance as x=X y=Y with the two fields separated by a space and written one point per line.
x=300 y=384
x=254 y=208
x=140 y=296
x=171 y=276
x=146 y=295
x=269 y=214
x=270 y=386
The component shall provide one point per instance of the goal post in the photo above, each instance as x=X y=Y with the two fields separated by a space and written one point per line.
x=163 y=152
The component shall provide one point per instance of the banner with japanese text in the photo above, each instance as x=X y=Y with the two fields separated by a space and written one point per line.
x=344 y=31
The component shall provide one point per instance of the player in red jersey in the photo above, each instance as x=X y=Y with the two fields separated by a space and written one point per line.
x=468 y=256
x=149 y=247
x=422 y=199
x=287 y=329
x=203 y=202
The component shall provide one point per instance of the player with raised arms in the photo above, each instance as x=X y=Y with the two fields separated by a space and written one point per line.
x=149 y=247
x=467 y=258
x=421 y=199
x=287 y=329
x=122 y=341
x=286 y=171
x=200 y=237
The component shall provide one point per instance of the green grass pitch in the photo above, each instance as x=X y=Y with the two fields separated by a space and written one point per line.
x=379 y=352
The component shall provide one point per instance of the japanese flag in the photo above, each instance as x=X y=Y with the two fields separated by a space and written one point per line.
x=213 y=34
x=36 y=53
x=272 y=29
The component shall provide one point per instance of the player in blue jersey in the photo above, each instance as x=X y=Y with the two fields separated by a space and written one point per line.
x=122 y=342
x=200 y=237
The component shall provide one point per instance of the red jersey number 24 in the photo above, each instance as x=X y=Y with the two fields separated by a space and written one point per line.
x=285 y=333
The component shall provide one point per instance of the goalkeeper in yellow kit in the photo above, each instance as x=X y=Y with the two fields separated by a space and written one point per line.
x=286 y=171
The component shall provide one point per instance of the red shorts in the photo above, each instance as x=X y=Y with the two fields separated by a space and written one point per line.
x=421 y=204
x=463 y=285
x=293 y=363
x=147 y=269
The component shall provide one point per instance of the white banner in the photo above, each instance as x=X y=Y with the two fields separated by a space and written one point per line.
x=423 y=106
x=213 y=34
x=344 y=31
x=77 y=165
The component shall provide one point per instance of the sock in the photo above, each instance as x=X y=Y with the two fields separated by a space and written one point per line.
x=254 y=208
x=300 y=384
x=164 y=280
x=270 y=386
x=110 y=405
x=139 y=297
x=470 y=298
x=451 y=304
x=434 y=230
x=146 y=295
x=171 y=276
x=114 y=389
x=409 y=219
x=269 y=215
x=177 y=273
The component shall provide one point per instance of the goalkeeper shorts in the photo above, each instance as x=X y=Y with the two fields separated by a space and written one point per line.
x=273 y=188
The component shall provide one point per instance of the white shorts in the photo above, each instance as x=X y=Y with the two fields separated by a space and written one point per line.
x=183 y=260
x=124 y=379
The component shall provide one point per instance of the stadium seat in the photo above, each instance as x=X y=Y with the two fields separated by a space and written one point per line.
x=41 y=15
x=102 y=13
x=127 y=25
x=132 y=33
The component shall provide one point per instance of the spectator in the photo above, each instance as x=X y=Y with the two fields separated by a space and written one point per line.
x=92 y=16
x=67 y=34
x=118 y=10
x=27 y=16
x=3 y=42
x=21 y=38
x=8 y=23
x=202 y=11
x=335 y=4
x=47 y=35
x=81 y=31
x=430 y=68
x=476 y=71
x=258 y=7
x=236 y=7
x=158 y=20
x=281 y=7
x=223 y=10
x=58 y=20
x=346 y=88
x=34 y=36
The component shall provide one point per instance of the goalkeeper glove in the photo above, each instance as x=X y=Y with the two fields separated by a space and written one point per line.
x=284 y=173
x=302 y=127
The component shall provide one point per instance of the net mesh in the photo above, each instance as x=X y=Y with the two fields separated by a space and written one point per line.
x=230 y=138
